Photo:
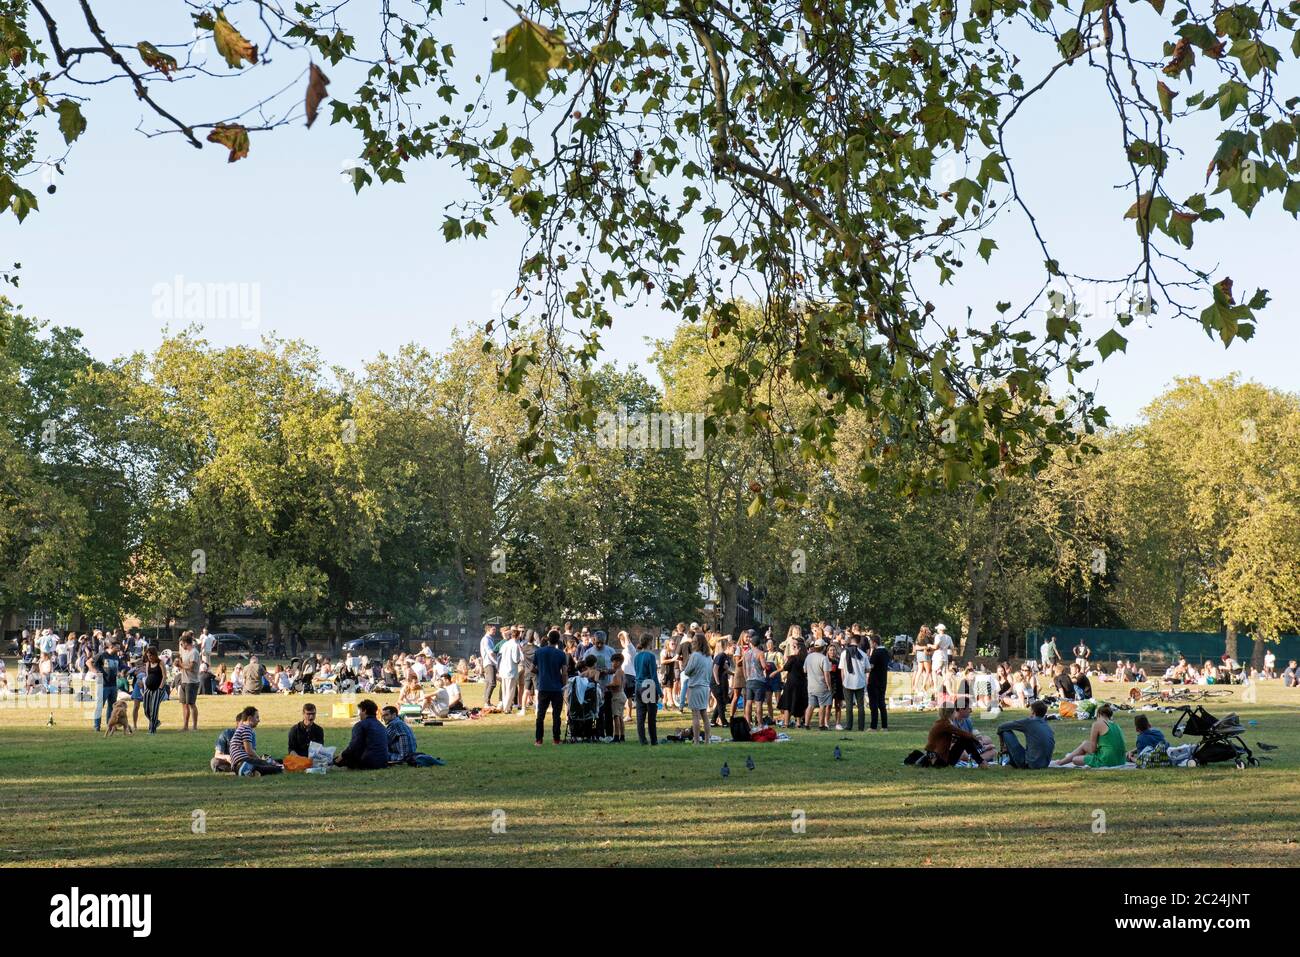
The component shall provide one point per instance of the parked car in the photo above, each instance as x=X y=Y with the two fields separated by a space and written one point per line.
x=229 y=643
x=377 y=642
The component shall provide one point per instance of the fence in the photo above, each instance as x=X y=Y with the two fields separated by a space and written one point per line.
x=1196 y=646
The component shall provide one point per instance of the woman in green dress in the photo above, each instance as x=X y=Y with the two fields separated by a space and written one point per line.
x=1104 y=747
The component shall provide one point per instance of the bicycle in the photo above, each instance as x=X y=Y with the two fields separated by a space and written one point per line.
x=1154 y=694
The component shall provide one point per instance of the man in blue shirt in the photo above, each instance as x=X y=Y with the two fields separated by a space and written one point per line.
x=551 y=664
x=1040 y=740
x=648 y=690
x=401 y=739
x=368 y=749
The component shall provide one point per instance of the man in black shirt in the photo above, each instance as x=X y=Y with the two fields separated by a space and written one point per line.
x=302 y=734
x=721 y=679
x=1082 y=686
x=1064 y=684
x=106 y=664
x=878 y=681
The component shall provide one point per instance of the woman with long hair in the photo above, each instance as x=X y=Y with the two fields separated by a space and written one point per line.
x=155 y=685
x=922 y=679
x=794 y=696
x=669 y=660
x=699 y=666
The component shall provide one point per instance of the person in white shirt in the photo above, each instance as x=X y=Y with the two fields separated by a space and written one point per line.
x=1270 y=663
x=942 y=649
x=488 y=662
x=853 y=676
x=421 y=670
x=444 y=699
x=510 y=658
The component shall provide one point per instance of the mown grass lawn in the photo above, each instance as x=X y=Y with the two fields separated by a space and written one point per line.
x=70 y=797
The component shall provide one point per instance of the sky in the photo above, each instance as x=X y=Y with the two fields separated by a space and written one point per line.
x=356 y=275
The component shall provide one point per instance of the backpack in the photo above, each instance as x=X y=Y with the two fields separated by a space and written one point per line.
x=739 y=728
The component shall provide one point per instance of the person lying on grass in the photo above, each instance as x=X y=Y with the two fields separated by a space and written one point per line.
x=368 y=749
x=1104 y=747
x=951 y=744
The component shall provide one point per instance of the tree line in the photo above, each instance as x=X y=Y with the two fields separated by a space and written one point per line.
x=204 y=477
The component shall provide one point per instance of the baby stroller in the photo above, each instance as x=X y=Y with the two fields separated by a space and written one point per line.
x=301 y=677
x=1220 y=738
x=582 y=711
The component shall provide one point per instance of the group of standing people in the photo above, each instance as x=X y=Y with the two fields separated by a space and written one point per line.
x=713 y=677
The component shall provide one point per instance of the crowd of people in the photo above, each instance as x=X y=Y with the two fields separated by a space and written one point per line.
x=799 y=682
x=828 y=678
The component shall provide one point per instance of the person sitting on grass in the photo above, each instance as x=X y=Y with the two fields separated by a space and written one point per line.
x=244 y=760
x=445 y=700
x=1147 y=736
x=950 y=744
x=306 y=731
x=401 y=739
x=221 y=755
x=1063 y=683
x=1082 y=686
x=1040 y=740
x=368 y=749
x=411 y=692
x=962 y=719
x=1104 y=747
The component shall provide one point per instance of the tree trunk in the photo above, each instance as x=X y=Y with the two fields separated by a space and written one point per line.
x=729 y=588
x=1230 y=644
x=1257 y=654
x=474 y=601
x=336 y=636
x=1180 y=579
x=1004 y=643
x=975 y=618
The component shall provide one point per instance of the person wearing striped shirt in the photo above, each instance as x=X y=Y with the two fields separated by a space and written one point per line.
x=243 y=747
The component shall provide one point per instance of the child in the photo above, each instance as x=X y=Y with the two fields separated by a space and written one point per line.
x=1147 y=736
x=618 y=696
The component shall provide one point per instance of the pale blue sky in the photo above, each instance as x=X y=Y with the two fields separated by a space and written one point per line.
x=356 y=275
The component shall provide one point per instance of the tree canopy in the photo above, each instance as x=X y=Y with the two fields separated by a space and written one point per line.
x=832 y=160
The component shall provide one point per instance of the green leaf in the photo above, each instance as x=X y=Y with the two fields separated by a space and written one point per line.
x=1255 y=56
x=527 y=53
x=1070 y=44
x=71 y=123
x=1110 y=342
x=1291 y=201
x=986 y=248
x=451 y=228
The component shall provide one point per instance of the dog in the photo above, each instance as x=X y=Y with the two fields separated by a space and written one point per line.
x=118 y=719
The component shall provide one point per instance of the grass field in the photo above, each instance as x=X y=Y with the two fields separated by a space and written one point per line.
x=70 y=797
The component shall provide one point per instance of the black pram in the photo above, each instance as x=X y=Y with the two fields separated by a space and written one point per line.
x=1220 y=738
x=582 y=710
